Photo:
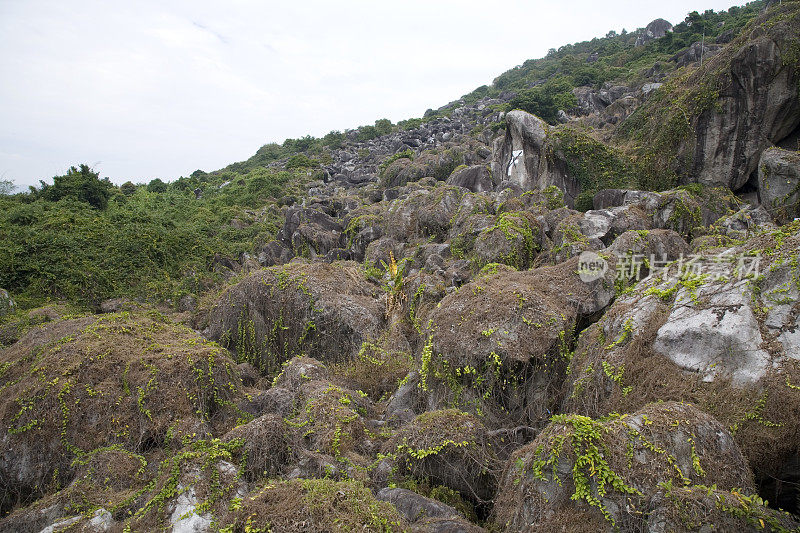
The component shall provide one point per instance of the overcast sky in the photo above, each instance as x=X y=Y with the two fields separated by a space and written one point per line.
x=148 y=89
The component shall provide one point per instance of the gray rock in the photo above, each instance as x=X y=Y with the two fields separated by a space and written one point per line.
x=476 y=178
x=274 y=253
x=779 y=184
x=647 y=88
x=758 y=107
x=414 y=506
x=7 y=304
x=718 y=338
x=655 y=30
x=695 y=53
x=522 y=158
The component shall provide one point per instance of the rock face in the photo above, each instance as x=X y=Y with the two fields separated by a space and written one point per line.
x=614 y=471
x=521 y=157
x=655 y=30
x=756 y=106
x=779 y=183
x=759 y=105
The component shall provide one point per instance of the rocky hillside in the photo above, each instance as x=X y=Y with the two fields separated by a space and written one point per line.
x=481 y=320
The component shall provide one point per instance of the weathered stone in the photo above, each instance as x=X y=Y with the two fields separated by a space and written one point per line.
x=779 y=184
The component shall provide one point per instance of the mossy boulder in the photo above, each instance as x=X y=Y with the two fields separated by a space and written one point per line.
x=162 y=381
x=313 y=505
x=727 y=344
x=449 y=448
x=322 y=310
x=514 y=239
x=499 y=345
x=611 y=469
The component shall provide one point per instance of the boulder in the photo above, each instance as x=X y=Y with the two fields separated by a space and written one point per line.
x=514 y=239
x=498 y=345
x=268 y=446
x=779 y=184
x=522 y=158
x=448 y=448
x=56 y=404
x=721 y=332
x=611 y=469
x=476 y=178
x=654 y=30
x=324 y=310
x=413 y=506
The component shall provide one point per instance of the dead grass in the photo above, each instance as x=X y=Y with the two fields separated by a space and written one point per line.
x=311 y=506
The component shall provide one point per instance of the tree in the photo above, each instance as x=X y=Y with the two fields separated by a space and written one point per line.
x=545 y=100
x=383 y=126
x=81 y=183
x=6 y=187
x=127 y=188
x=156 y=185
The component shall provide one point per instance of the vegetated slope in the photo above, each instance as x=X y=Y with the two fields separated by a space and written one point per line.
x=398 y=328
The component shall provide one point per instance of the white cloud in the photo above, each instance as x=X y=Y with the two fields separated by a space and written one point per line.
x=158 y=89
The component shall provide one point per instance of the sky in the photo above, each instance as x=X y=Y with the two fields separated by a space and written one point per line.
x=157 y=89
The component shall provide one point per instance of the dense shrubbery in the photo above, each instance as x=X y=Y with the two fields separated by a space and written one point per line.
x=84 y=239
x=80 y=184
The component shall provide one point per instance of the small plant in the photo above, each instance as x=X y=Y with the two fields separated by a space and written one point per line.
x=394 y=283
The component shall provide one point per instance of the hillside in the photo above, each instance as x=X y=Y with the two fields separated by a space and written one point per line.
x=567 y=301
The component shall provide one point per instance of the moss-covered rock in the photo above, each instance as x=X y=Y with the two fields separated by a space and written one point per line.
x=138 y=381
x=449 y=448
x=499 y=346
x=323 y=310
x=313 y=505
x=612 y=468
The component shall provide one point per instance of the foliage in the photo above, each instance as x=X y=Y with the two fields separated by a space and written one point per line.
x=160 y=245
x=545 y=100
x=82 y=184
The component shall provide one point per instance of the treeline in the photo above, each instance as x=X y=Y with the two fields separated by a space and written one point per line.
x=84 y=239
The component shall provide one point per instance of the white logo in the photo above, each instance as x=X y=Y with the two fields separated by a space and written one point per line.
x=591 y=267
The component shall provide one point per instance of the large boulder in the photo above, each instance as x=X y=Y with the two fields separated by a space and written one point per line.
x=779 y=184
x=655 y=30
x=523 y=159
x=610 y=470
x=323 y=310
x=498 y=345
x=719 y=330
x=476 y=178
x=163 y=382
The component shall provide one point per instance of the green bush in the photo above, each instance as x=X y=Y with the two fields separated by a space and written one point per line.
x=157 y=185
x=82 y=184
